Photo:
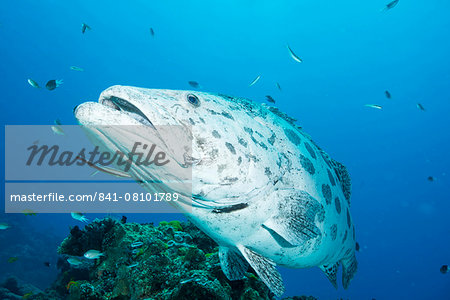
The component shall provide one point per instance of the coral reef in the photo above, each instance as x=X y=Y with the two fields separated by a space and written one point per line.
x=173 y=260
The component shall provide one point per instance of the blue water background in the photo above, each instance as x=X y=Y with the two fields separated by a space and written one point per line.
x=352 y=53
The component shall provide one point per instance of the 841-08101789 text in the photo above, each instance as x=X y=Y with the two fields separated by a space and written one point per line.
x=97 y=196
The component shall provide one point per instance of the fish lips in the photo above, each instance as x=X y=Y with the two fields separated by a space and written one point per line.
x=99 y=114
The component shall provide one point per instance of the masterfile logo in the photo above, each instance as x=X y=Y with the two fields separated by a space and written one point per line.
x=118 y=169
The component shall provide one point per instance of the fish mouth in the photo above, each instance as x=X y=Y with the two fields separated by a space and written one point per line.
x=117 y=105
x=126 y=107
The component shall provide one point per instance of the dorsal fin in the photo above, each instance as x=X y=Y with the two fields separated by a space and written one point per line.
x=344 y=179
x=282 y=115
x=341 y=172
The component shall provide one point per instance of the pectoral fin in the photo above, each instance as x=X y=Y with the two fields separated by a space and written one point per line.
x=295 y=218
x=233 y=263
x=266 y=270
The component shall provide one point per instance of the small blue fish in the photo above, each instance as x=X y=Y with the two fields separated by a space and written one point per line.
x=293 y=55
x=53 y=84
x=390 y=5
x=84 y=26
x=33 y=83
x=75 y=68
x=93 y=254
x=255 y=80
x=374 y=106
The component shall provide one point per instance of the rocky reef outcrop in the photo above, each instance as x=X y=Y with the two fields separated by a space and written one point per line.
x=171 y=260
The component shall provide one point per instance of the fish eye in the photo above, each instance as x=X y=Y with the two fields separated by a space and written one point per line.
x=192 y=99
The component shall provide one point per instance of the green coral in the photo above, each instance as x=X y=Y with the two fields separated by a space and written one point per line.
x=163 y=223
x=176 y=225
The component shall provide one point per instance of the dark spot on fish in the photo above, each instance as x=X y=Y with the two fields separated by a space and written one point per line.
x=307 y=165
x=272 y=138
x=216 y=134
x=191 y=121
x=242 y=142
x=310 y=150
x=212 y=111
x=292 y=136
x=229 y=180
x=227 y=97
x=251 y=157
x=349 y=221
x=239 y=160
x=202 y=120
x=357 y=246
x=326 y=159
x=267 y=171
x=254 y=140
x=321 y=216
x=248 y=130
x=230 y=147
x=326 y=191
x=230 y=208
x=345 y=236
x=330 y=176
x=333 y=232
x=430 y=178
x=337 y=202
x=201 y=142
x=214 y=153
x=227 y=115
x=259 y=133
x=263 y=145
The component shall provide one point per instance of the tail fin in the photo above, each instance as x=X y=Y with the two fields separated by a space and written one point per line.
x=349 y=266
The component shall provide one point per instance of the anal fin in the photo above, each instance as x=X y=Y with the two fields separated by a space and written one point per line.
x=233 y=263
x=266 y=270
x=349 y=266
x=331 y=272
x=295 y=218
